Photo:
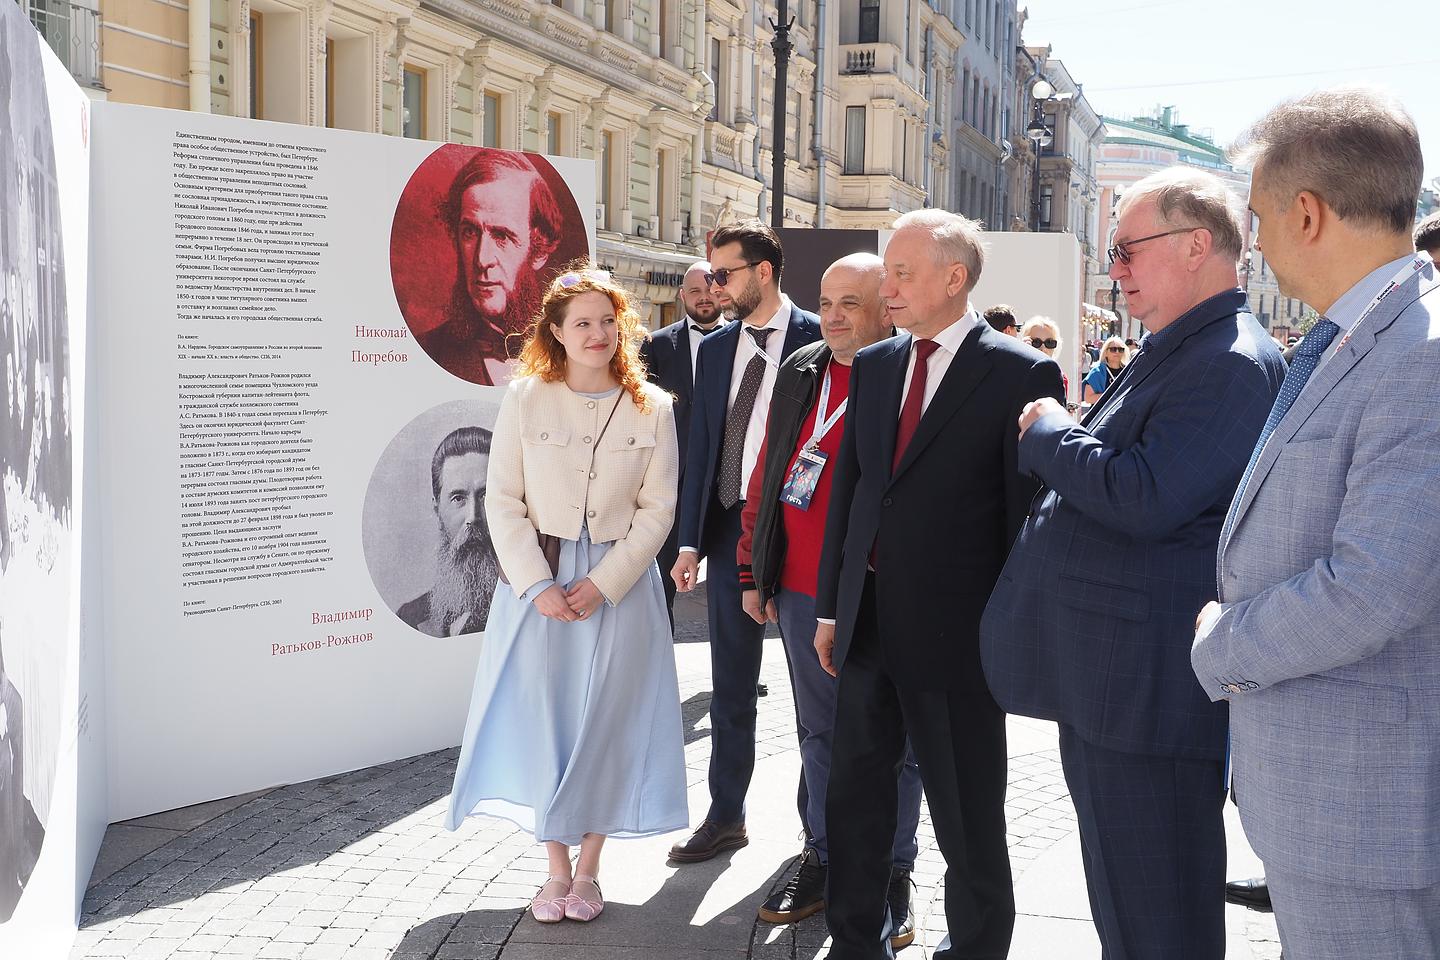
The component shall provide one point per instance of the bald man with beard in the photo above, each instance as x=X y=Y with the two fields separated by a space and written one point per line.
x=467 y=570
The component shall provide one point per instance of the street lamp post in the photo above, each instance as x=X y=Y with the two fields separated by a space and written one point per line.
x=782 y=47
x=1040 y=135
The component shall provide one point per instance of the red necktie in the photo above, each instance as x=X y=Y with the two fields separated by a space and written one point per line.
x=914 y=400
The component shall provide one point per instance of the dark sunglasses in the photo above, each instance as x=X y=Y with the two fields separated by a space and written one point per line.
x=1120 y=253
x=1114 y=349
x=1049 y=344
x=721 y=277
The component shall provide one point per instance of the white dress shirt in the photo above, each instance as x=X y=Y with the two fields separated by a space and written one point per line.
x=696 y=333
x=779 y=324
x=948 y=341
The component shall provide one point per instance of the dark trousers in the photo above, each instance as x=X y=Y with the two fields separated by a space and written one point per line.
x=1152 y=838
x=959 y=741
x=815 y=722
x=735 y=649
x=665 y=560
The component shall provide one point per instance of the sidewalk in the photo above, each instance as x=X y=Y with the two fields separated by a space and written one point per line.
x=358 y=867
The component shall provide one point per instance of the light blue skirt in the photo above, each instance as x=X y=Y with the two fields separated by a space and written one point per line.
x=575 y=728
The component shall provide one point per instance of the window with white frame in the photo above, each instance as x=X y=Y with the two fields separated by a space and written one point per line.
x=854 y=140
x=412 y=103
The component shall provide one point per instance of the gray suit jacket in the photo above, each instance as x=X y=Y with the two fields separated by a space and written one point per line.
x=1329 y=642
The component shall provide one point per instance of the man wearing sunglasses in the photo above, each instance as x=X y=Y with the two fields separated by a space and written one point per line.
x=1092 y=620
x=735 y=372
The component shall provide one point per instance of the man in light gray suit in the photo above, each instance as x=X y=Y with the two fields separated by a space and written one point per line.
x=1326 y=638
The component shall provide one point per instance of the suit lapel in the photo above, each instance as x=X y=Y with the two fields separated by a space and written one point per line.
x=1324 y=380
x=967 y=368
x=717 y=387
x=797 y=332
x=682 y=344
x=890 y=370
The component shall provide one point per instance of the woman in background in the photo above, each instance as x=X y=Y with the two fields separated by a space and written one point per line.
x=1113 y=357
x=574 y=730
x=1044 y=336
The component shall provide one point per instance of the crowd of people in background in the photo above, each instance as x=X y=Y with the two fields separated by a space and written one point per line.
x=1220 y=581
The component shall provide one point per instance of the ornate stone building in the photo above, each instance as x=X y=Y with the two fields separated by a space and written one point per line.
x=891 y=104
x=1136 y=147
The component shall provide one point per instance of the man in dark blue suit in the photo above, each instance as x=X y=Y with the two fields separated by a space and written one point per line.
x=1092 y=620
x=669 y=356
x=924 y=504
x=734 y=376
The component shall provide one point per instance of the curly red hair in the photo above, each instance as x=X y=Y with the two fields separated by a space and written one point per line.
x=543 y=356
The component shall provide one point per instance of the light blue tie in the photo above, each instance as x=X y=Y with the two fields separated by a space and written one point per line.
x=1302 y=365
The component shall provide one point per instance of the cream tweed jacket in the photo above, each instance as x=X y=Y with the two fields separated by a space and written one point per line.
x=547 y=473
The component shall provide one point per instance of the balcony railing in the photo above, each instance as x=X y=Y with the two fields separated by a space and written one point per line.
x=73 y=31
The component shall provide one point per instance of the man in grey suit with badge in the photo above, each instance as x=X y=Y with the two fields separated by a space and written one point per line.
x=1326 y=636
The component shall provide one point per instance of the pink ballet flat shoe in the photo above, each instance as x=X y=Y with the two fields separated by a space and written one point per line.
x=550 y=904
x=585 y=900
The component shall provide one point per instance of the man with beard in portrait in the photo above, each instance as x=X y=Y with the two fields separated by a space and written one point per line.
x=506 y=223
x=467 y=570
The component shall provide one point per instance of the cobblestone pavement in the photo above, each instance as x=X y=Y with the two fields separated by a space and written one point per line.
x=358 y=867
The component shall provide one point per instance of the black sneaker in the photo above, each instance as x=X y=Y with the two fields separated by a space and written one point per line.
x=902 y=912
x=802 y=895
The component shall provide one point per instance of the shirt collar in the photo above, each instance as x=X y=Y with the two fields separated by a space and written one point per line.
x=690 y=322
x=1345 y=311
x=954 y=335
x=781 y=319
x=1222 y=304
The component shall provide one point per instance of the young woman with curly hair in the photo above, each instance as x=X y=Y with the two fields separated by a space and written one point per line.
x=574 y=730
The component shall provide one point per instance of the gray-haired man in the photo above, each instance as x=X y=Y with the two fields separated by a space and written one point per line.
x=1326 y=636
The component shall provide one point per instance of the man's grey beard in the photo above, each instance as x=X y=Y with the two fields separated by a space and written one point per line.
x=466 y=575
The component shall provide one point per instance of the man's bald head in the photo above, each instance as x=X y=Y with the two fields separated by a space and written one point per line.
x=852 y=314
x=695 y=297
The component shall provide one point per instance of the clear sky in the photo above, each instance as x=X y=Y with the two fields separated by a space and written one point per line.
x=1222 y=64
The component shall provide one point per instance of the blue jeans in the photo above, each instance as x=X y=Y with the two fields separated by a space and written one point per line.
x=815 y=710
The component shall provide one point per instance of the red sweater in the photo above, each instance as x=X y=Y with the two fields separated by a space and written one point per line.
x=804 y=529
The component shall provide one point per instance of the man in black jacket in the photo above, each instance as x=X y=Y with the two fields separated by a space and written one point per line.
x=927 y=498
x=782 y=526
x=669 y=355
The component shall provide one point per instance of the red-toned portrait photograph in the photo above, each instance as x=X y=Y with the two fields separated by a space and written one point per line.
x=478 y=235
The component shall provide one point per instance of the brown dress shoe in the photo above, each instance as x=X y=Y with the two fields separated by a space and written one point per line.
x=708 y=840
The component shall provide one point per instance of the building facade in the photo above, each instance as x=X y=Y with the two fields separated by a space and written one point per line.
x=983 y=112
x=891 y=105
x=1136 y=147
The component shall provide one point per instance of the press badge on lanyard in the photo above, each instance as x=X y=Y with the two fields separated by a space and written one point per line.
x=804 y=476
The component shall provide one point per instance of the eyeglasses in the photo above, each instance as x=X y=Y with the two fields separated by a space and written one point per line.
x=721 y=277
x=1114 y=349
x=1120 y=253
x=1050 y=343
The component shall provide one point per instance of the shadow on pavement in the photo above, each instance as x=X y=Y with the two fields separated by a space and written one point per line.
x=474 y=935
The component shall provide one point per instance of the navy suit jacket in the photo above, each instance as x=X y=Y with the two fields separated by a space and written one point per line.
x=711 y=401
x=666 y=353
x=1093 y=617
x=942 y=521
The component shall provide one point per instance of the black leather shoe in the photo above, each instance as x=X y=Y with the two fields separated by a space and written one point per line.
x=1254 y=894
x=802 y=895
x=708 y=840
x=902 y=911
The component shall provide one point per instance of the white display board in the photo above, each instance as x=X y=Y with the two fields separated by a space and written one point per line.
x=1038 y=274
x=267 y=442
x=49 y=830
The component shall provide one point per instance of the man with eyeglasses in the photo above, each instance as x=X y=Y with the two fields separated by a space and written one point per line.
x=1092 y=619
x=735 y=372
x=669 y=356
